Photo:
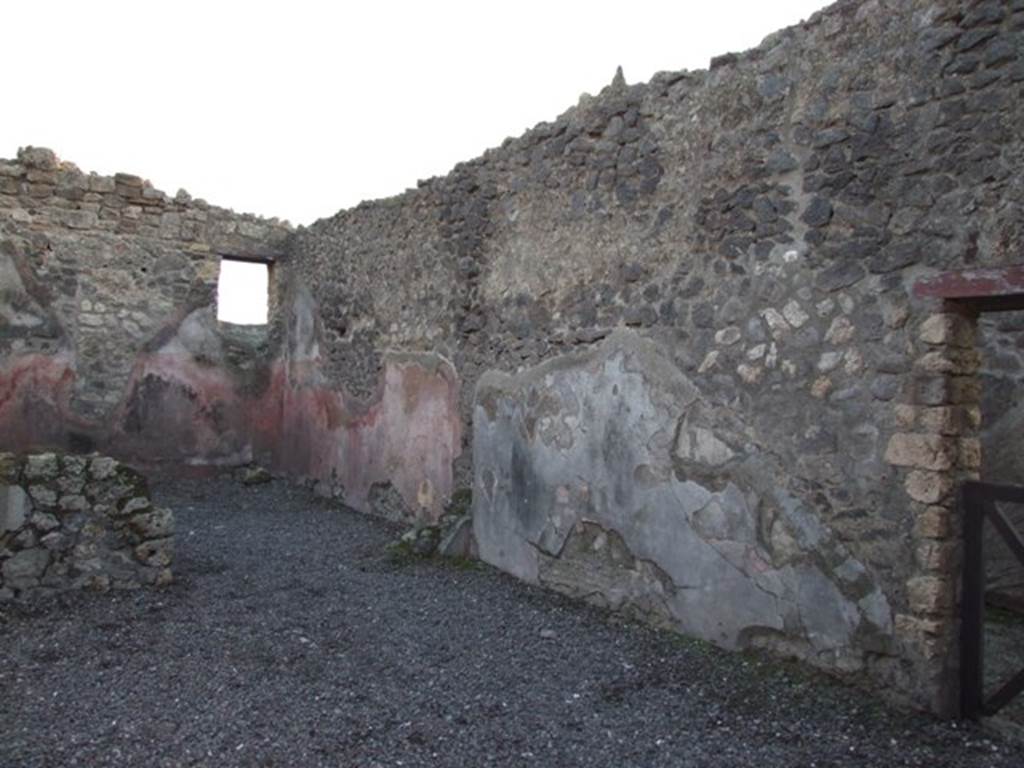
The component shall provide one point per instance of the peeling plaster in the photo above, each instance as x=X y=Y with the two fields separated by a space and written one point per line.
x=539 y=490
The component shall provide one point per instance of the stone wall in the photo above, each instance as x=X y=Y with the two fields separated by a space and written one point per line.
x=669 y=341
x=108 y=330
x=780 y=407
x=78 y=522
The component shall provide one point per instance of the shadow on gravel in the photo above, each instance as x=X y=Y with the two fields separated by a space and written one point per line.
x=1004 y=657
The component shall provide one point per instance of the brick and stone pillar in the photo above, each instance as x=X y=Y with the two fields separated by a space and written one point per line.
x=937 y=447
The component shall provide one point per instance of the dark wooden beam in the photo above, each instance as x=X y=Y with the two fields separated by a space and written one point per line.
x=972 y=603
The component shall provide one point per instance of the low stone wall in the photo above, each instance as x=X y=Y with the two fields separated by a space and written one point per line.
x=74 y=522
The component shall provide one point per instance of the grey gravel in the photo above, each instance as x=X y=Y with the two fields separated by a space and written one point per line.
x=291 y=638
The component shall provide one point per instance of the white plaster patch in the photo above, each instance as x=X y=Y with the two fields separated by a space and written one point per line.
x=795 y=314
x=840 y=331
x=13 y=507
x=728 y=336
x=829 y=361
x=710 y=361
x=701 y=445
x=777 y=323
x=750 y=374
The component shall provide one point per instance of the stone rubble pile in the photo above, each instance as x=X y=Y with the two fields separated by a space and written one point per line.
x=450 y=536
x=78 y=522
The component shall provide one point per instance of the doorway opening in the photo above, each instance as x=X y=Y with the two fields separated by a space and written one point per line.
x=991 y=507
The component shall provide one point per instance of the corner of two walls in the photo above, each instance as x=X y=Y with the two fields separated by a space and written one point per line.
x=110 y=339
x=110 y=342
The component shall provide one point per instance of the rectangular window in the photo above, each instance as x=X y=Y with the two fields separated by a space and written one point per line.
x=242 y=292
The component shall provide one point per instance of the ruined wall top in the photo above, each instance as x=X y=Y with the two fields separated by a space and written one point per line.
x=42 y=192
x=96 y=274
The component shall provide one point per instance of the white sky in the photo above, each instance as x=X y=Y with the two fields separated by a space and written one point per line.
x=242 y=292
x=297 y=109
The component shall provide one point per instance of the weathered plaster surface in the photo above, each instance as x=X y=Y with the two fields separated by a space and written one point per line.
x=684 y=518
x=201 y=393
x=405 y=435
x=35 y=391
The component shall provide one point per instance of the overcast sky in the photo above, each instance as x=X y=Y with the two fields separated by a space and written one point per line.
x=297 y=109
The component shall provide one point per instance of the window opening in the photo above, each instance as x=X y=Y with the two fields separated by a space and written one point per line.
x=243 y=292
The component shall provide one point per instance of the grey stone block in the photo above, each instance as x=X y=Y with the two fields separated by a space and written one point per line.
x=14 y=507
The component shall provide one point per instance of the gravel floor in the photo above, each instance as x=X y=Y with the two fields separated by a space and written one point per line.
x=1004 y=656
x=292 y=639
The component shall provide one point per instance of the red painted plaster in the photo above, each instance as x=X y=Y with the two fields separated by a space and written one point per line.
x=176 y=410
x=997 y=282
x=35 y=391
x=408 y=435
x=177 y=413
